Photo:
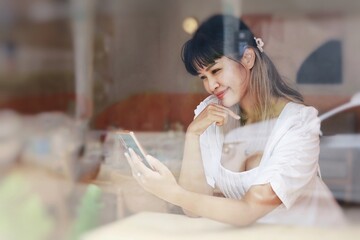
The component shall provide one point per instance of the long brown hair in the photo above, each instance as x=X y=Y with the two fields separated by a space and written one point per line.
x=267 y=84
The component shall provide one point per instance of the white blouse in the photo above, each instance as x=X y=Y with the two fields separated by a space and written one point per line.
x=289 y=164
x=239 y=144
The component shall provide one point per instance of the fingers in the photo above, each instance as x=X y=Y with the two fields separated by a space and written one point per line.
x=233 y=115
x=220 y=114
x=213 y=113
x=157 y=165
x=228 y=111
x=134 y=169
x=130 y=161
x=219 y=117
x=138 y=164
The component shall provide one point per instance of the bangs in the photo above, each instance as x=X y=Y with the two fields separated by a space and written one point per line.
x=198 y=54
x=220 y=35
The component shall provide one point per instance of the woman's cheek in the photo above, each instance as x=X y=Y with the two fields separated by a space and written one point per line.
x=206 y=86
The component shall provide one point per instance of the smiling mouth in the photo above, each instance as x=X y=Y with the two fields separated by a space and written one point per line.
x=221 y=94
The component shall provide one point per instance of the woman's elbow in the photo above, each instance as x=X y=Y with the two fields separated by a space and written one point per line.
x=244 y=222
x=190 y=214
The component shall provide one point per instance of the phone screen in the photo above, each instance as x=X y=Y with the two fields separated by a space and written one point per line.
x=127 y=141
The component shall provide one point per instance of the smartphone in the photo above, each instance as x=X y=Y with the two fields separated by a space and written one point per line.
x=128 y=140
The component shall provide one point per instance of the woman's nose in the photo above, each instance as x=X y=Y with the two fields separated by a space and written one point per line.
x=213 y=83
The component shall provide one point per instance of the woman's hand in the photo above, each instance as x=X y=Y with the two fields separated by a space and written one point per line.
x=158 y=181
x=213 y=113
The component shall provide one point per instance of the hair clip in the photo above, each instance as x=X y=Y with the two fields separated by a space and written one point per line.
x=259 y=44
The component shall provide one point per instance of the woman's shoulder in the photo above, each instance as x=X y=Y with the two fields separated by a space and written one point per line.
x=299 y=110
x=300 y=115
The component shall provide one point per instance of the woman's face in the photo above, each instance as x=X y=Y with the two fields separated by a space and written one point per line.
x=226 y=79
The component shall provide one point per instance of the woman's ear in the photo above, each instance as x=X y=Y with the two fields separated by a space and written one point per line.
x=248 y=59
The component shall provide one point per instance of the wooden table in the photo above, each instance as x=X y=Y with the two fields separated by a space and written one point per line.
x=150 y=225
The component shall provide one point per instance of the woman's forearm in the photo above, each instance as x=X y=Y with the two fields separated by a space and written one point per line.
x=192 y=176
x=226 y=210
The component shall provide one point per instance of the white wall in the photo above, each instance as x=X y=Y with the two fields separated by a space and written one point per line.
x=148 y=40
x=291 y=40
x=147 y=45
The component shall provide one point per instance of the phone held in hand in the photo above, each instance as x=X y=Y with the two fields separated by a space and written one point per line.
x=128 y=140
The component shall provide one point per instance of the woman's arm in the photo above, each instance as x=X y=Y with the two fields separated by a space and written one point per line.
x=257 y=202
x=192 y=176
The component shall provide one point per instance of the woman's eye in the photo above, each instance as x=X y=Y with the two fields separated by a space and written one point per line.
x=203 y=77
x=214 y=71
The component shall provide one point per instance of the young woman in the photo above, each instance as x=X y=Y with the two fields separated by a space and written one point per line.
x=271 y=174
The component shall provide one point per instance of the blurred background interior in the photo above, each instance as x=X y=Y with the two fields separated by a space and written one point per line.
x=72 y=71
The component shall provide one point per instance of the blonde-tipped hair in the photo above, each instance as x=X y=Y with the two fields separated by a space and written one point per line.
x=266 y=84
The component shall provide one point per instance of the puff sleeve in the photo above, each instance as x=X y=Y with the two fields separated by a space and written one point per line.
x=292 y=163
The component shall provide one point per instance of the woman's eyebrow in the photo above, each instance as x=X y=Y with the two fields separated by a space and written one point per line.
x=210 y=66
